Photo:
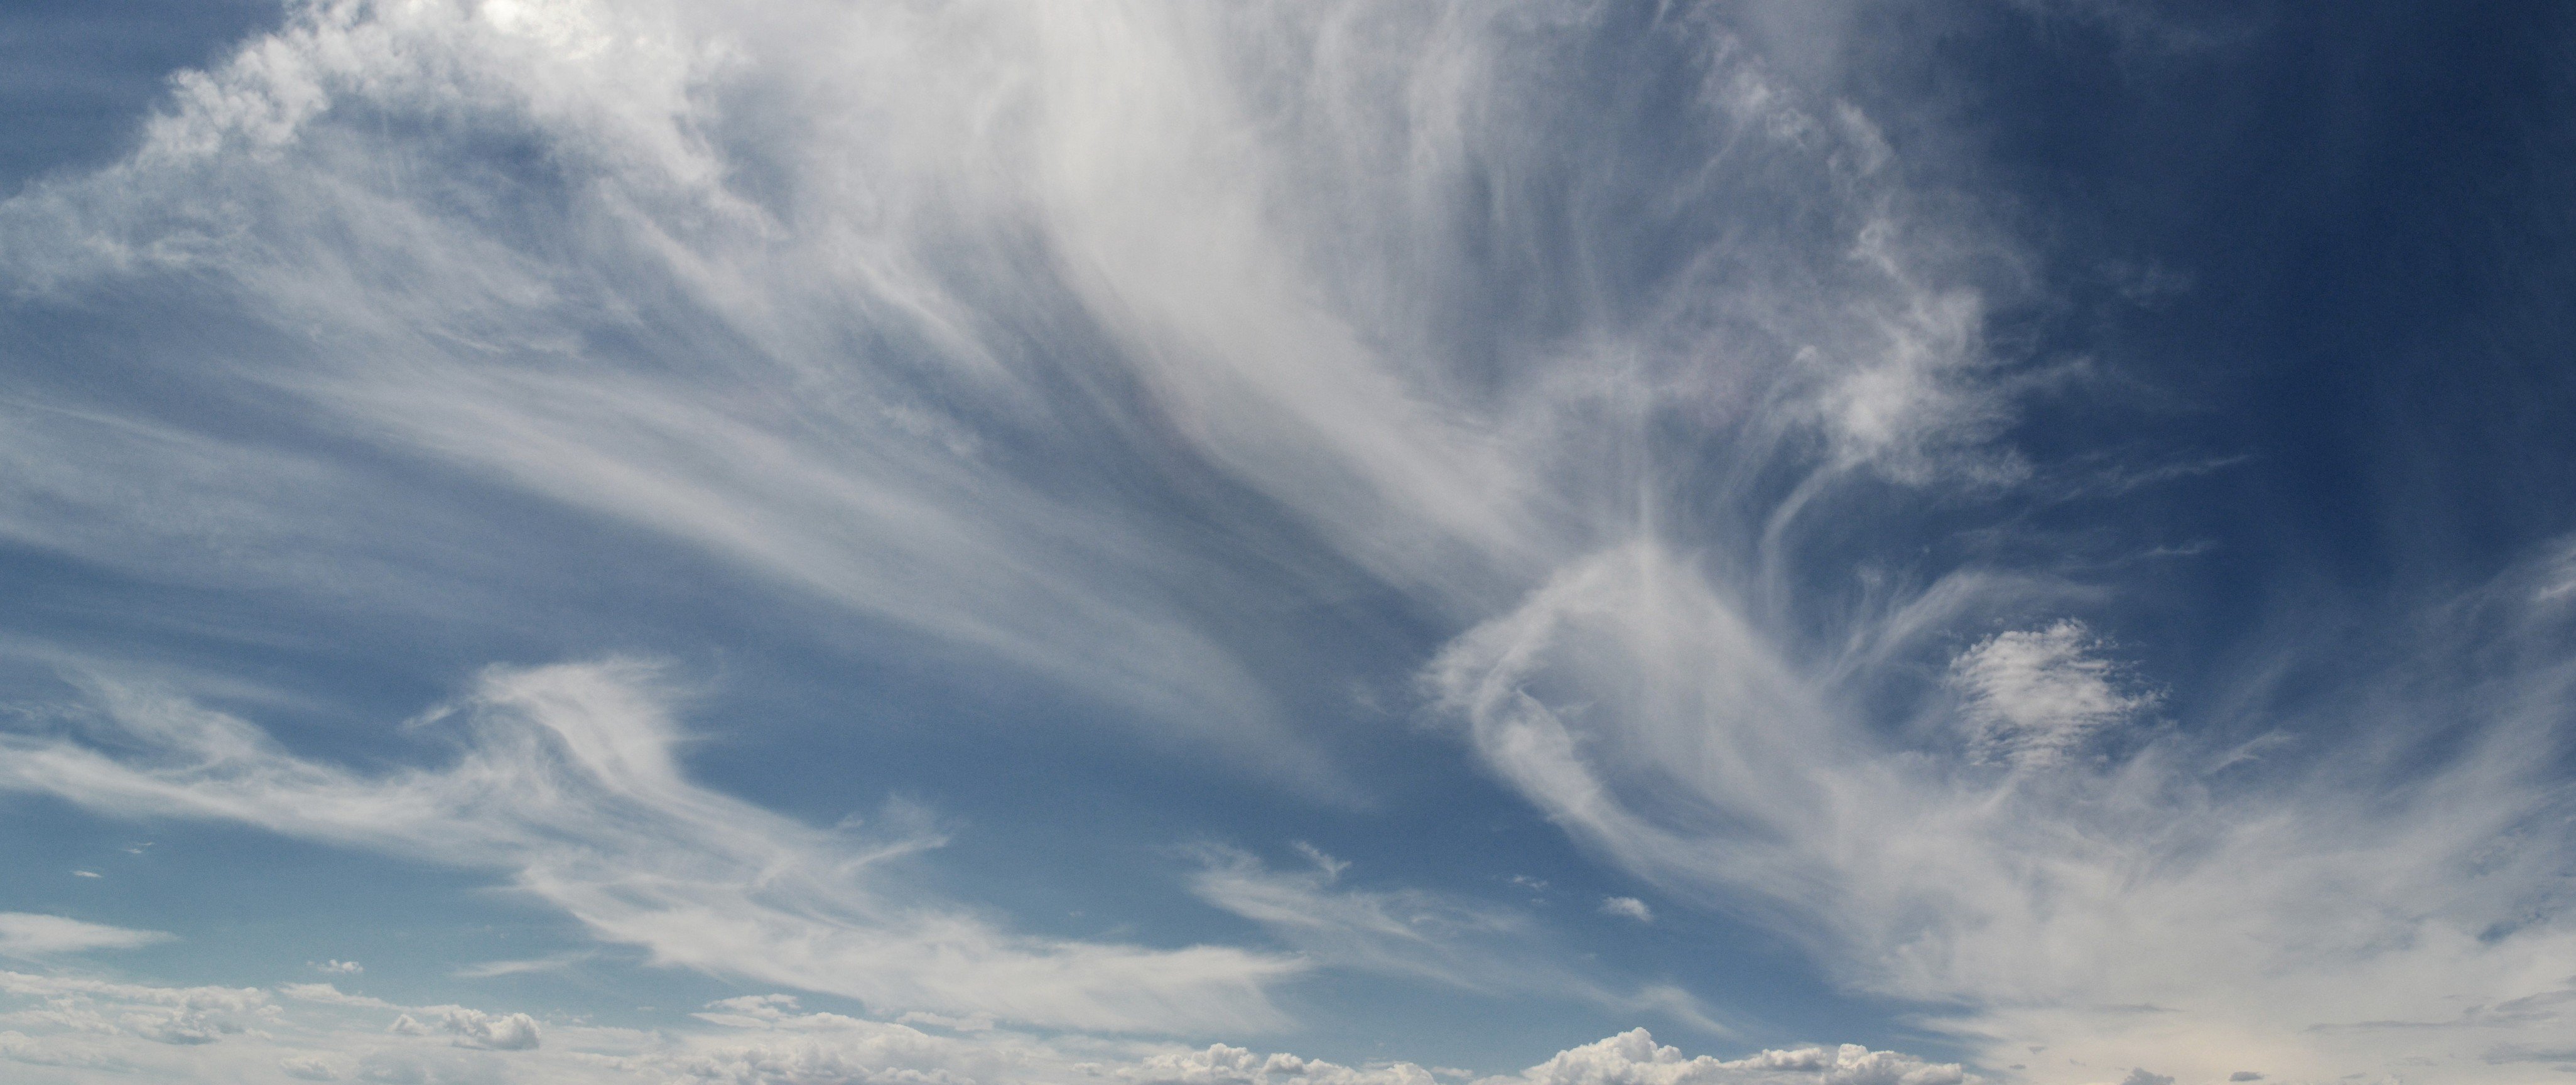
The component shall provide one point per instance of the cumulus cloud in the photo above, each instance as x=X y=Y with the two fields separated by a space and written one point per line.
x=83 y=1013
x=1222 y=1065
x=497 y=1032
x=27 y=934
x=131 y=1030
x=1628 y=908
x=1634 y=1058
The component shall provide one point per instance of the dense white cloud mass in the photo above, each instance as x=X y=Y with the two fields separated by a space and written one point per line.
x=1099 y=344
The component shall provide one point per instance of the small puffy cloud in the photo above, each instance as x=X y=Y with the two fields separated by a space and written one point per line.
x=2245 y=1075
x=1628 y=907
x=27 y=934
x=2031 y=696
x=87 y=874
x=494 y=1032
x=2142 y=1077
x=339 y=968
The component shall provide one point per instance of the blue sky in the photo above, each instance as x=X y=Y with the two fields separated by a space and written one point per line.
x=1287 y=544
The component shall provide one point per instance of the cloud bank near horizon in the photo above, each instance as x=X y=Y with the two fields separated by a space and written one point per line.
x=317 y=1032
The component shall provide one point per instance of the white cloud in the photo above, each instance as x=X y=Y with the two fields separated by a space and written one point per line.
x=315 y=1067
x=921 y=312
x=789 y=179
x=82 y=1014
x=27 y=934
x=1656 y=717
x=2032 y=697
x=1627 y=907
x=330 y=993
x=210 y=1034
x=568 y=786
x=550 y=963
x=1634 y=1058
x=1428 y=935
x=754 y=1040
x=340 y=968
x=1331 y=867
x=1223 y=1065
x=19 y=1047
x=1010 y=275
x=976 y=1023
x=769 y=1040
x=1437 y=937
x=497 y=1032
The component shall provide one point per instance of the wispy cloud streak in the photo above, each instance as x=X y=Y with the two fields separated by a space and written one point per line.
x=1108 y=345
x=567 y=785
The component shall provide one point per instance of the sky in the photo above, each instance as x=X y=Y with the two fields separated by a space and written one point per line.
x=1345 y=542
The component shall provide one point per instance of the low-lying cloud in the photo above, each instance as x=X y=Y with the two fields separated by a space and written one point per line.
x=566 y=785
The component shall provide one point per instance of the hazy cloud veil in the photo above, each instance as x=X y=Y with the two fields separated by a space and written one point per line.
x=1608 y=361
